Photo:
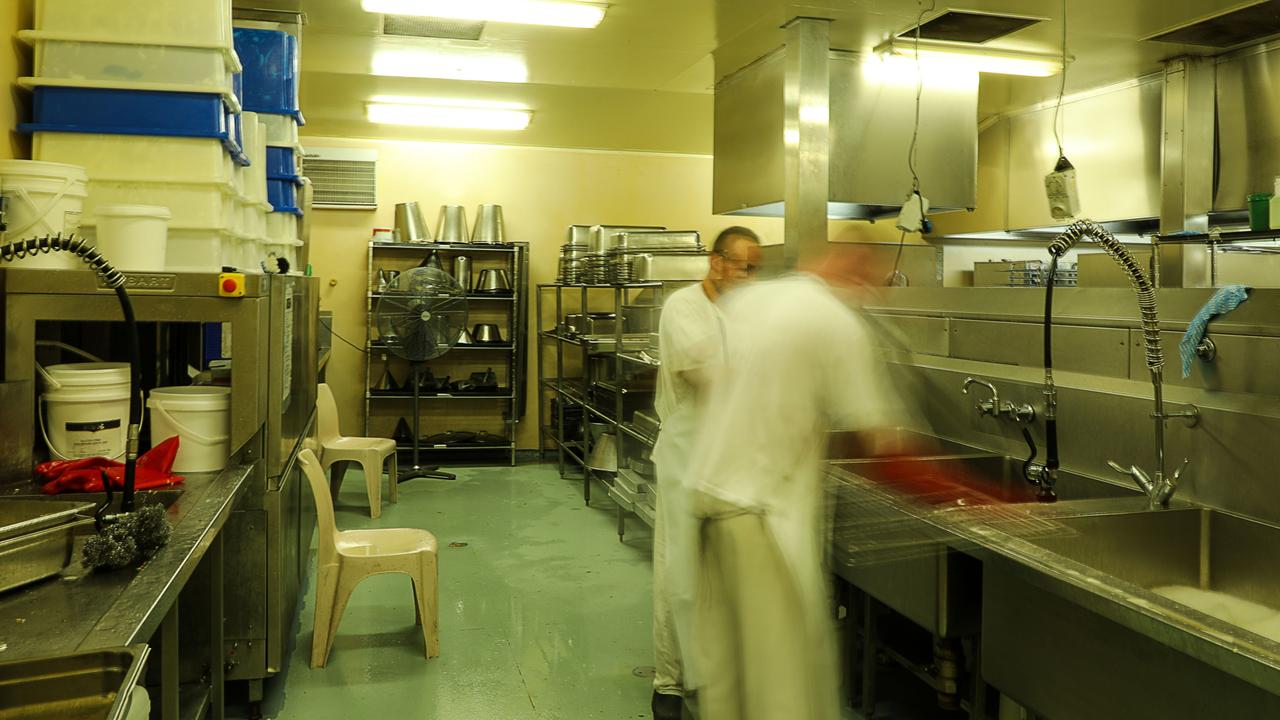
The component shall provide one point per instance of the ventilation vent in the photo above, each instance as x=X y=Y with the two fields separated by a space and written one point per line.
x=969 y=27
x=1241 y=27
x=342 y=178
x=428 y=27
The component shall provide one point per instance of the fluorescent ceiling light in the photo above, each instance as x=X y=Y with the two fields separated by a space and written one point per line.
x=560 y=13
x=940 y=54
x=467 y=115
x=447 y=63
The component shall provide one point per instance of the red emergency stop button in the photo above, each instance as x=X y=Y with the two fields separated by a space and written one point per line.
x=231 y=284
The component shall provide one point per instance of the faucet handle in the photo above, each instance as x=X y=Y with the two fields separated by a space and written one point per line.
x=1177 y=474
x=1138 y=476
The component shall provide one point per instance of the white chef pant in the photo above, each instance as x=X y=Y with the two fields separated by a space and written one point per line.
x=675 y=550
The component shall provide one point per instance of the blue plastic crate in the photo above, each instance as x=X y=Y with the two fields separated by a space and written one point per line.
x=281 y=164
x=283 y=196
x=270 y=60
x=130 y=112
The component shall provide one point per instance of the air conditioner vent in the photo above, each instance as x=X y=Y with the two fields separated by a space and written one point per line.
x=969 y=27
x=429 y=27
x=1240 y=27
x=342 y=178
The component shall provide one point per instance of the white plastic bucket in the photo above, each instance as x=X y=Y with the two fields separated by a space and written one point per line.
x=133 y=237
x=43 y=198
x=200 y=415
x=86 y=409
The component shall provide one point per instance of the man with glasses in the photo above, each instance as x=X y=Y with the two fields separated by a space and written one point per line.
x=691 y=340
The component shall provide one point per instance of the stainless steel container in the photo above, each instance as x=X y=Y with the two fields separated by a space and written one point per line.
x=493 y=281
x=410 y=227
x=579 y=235
x=462 y=271
x=489 y=227
x=36 y=538
x=92 y=684
x=668 y=266
x=452 y=226
x=659 y=240
x=487 y=334
x=604 y=237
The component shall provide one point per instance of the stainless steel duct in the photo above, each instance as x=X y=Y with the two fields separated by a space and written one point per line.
x=870 y=116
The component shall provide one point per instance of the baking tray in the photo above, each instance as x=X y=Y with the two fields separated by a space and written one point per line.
x=95 y=685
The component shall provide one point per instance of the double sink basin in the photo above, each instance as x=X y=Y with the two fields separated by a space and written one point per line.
x=1197 y=579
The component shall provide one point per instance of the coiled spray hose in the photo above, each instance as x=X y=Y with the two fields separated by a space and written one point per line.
x=114 y=279
x=1089 y=230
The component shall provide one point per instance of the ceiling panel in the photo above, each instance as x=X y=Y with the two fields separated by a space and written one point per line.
x=649 y=59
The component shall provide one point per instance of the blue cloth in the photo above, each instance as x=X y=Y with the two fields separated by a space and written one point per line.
x=1222 y=302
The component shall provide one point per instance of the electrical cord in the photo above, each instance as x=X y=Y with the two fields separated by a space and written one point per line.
x=913 y=148
x=1062 y=86
x=357 y=347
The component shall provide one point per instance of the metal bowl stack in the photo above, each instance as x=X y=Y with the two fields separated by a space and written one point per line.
x=572 y=254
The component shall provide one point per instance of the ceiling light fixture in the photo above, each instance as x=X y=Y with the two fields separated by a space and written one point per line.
x=445 y=63
x=560 y=13
x=943 y=54
x=441 y=113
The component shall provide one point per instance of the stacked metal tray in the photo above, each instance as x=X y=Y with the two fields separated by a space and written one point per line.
x=37 y=537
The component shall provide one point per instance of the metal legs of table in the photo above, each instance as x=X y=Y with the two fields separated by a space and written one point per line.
x=217 y=618
x=622 y=523
x=170 y=689
x=868 y=656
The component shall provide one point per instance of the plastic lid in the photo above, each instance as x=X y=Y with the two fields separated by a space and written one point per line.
x=43 y=169
x=1260 y=196
x=147 y=211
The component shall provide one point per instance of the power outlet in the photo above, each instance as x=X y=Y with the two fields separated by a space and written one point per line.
x=1060 y=186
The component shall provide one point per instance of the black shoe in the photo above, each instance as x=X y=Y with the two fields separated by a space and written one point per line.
x=667 y=707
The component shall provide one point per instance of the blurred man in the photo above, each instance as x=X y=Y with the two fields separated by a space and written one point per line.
x=799 y=364
x=691 y=339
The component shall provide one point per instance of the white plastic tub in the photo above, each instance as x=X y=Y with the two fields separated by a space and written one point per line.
x=133 y=238
x=195 y=23
x=86 y=409
x=43 y=198
x=282 y=227
x=193 y=205
x=57 y=57
x=138 y=157
x=200 y=417
x=196 y=250
x=282 y=130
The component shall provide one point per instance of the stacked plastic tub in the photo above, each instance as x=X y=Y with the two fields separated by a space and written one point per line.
x=270 y=60
x=146 y=102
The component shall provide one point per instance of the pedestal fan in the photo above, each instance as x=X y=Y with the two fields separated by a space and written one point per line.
x=419 y=317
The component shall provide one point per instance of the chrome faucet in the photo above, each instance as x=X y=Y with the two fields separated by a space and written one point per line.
x=1018 y=412
x=1158 y=487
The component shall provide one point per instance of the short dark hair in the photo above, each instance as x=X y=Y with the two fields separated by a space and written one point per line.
x=722 y=240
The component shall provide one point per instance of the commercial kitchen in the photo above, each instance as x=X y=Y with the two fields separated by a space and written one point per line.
x=305 y=296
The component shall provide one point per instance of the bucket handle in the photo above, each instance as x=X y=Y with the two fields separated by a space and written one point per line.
x=54 y=384
x=40 y=212
x=186 y=431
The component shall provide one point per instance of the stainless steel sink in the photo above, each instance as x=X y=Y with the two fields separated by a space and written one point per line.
x=847 y=446
x=1197 y=547
x=996 y=477
x=882 y=546
x=85 y=686
x=1097 y=621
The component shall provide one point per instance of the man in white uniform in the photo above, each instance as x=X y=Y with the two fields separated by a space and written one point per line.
x=691 y=340
x=799 y=364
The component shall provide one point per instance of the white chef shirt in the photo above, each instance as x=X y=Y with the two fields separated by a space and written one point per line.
x=799 y=364
x=691 y=340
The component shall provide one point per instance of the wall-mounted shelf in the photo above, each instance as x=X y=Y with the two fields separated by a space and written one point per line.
x=451 y=247
x=1233 y=237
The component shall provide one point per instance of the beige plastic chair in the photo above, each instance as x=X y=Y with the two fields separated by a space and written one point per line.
x=348 y=556
x=337 y=452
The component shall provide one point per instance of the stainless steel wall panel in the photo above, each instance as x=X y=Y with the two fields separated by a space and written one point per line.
x=1244 y=363
x=1248 y=126
x=924 y=335
x=1097 y=351
x=1113 y=138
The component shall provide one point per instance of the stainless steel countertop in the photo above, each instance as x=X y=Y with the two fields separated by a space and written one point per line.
x=85 y=610
x=978 y=533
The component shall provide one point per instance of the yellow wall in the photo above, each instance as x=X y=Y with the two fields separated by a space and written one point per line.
x=15 y=61
x=542 y=192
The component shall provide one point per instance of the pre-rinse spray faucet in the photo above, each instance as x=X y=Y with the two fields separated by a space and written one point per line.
x=1159 y=487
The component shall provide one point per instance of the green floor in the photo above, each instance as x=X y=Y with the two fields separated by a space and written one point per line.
x=543 y=613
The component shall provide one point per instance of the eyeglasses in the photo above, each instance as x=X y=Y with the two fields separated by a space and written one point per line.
x=742 y=265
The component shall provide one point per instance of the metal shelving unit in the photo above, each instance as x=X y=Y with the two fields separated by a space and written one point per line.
x=512 y=355
x=571 y=377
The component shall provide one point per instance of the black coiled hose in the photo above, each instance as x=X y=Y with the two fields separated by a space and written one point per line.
x=114 y=279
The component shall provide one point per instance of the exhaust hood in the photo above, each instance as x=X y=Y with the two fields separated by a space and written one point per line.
x=872 y=114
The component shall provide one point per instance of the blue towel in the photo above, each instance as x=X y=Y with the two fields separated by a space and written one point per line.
x=1222 y=302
